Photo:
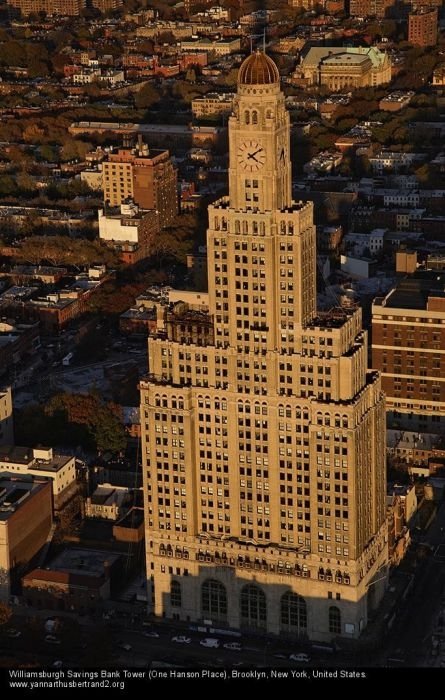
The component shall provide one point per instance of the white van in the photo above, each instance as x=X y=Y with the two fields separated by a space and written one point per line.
x=210 y=642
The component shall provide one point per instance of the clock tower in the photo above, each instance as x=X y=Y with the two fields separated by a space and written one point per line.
x=263 y=432
x=260 y=169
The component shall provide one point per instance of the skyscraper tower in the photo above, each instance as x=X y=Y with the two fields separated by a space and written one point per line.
x=263 y=431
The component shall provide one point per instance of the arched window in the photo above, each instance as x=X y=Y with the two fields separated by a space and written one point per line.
x=253 y=607
x=254 y=117
x=293 y=612
x=214 y=600
x=334 y=620
x=247 y=117
x=175 y=594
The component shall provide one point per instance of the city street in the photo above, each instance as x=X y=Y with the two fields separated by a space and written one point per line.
x=410 y=638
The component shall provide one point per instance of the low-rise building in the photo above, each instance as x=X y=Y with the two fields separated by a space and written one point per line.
x=26 y=518
x=107 y=502
x=340 y=68
x=393 y=161
x=221 y=47
x=31 y=273
x=111 y=78
x=358 y=267
x=17 y=342
x=56 y=310
x=213 y=103
x=131 y=527
x=92 y=177
x=77 y=580
x=86 y=76
x=365 y=243
x=439 y=75
x=401 y=508
x=324 y=162
x=129 y=224
x=414 y=448
x=329 y=238
x=396 y=101
x=139 y=320
x=58 y=469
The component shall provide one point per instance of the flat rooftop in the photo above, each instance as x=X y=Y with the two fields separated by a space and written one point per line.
x=133 y=519
x=14 y=489
x=25 y=456
x=90 y=562
x=413 y=292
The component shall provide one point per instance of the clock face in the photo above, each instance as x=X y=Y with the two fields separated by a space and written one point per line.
x=251 y=155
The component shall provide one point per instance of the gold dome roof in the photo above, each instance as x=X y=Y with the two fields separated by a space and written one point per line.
x=258 y=69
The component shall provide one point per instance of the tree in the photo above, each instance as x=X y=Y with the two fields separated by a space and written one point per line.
x=48 y=153
x=425 y=175
x=74 y=149
x=103 y=421
x=147 y=96
x=73 y=419
x=229 y=79
x=12 y=54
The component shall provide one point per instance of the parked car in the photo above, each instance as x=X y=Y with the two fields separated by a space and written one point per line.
x=51 y=639
x=150 y=633
x=233 y=646
x=125 y=646
x=181 y=639
x=209 y=642
x=303 y=658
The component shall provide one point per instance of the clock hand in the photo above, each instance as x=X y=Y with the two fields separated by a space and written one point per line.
x=252 y=155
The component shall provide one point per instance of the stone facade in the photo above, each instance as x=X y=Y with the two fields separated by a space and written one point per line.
x=264 y=448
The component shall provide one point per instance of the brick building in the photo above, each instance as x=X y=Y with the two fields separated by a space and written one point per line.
x=422 y=27
x=65 y=8
x=147 y=176
x=78 y=579
x=26 y=518
x=408 y=337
